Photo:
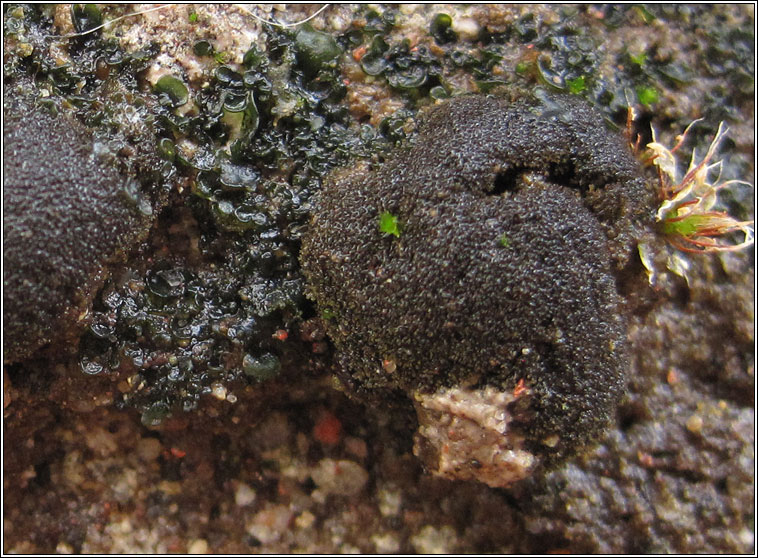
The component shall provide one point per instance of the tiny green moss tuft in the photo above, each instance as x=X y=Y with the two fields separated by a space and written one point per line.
x=389 y=224
x=647 y=95
x=638 y=59
x=576 y=85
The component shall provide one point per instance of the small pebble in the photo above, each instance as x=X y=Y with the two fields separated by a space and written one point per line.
x=219 y=391
x=342 y=477
x=695 y=424
x=433 y=540
x=466 y=27
x=244 y=495
x=305 y=520
x=385 y=543
x=390 y=501
x=269 y=524
x=198 y=546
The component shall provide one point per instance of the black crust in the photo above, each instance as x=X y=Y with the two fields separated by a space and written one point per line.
x=68 y=212
x=446 y=301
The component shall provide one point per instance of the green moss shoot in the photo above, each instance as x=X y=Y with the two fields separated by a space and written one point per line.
x=576 y=85
x=389 y=224
x=647 y=95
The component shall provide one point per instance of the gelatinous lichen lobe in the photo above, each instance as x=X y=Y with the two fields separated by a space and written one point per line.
x=504 y=266
x=67 y=213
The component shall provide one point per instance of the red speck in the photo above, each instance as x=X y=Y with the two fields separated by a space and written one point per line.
x=359 y=52
x=529 y=46
x=176 y=452
x=645 y=459
x=319 y=347
x=328 y=429
x=520 y=389
x=280 y=334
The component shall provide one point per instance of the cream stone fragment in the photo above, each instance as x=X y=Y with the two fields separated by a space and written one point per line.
x=465 y=434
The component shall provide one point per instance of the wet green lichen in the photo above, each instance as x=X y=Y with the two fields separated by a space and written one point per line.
x=266 y=133
x=316 y=50
x=444 y=304
x=175 y=332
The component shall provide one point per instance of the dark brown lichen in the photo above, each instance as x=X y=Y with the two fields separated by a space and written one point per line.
x=70 y=211
x=516 y=222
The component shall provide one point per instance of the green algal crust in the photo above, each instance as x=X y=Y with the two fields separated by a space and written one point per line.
x=445 y=307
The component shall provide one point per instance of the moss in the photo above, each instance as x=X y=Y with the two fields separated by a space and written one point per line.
x=446 y=303
x=389 y=224
x=647 y=96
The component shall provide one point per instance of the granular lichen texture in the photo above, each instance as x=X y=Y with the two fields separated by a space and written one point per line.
x=193 y=407
x=514 y=224
x=68 y=212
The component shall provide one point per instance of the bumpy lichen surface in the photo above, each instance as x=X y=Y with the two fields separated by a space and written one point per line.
x=68 y=212
x=264 y=467
x=514 y=223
